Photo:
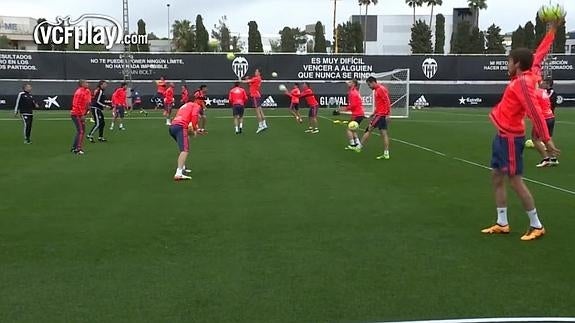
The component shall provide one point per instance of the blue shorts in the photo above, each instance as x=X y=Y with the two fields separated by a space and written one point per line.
x=379 y=122
x=238 y=111
x=256 y=102
x=313 y=111
x=120 y=111
x=294 y=106
x=507 y=156
x=180 y=135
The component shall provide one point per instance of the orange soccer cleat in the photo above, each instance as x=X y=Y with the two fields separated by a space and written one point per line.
x=497 y=229
x=533 y=234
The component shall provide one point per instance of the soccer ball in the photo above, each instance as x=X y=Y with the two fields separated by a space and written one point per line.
x=353 y=126
x=282 y=88
x=274 y=74
x=231 y=56
x=552 y=13
x=529 y=144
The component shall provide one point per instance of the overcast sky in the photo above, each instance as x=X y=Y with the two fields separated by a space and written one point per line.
x=271 y=15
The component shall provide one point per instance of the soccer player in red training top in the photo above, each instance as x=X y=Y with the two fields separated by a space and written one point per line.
x=311 y=101
x=519 y=99
x=256 y=95
x=80 y=107
x=200 y=99
x=238 y=99
x=168 y=103
x=186 y=121
x=294 y=95
x=545 y=104
x=355 y=106
x=185 y=96
x=380 y=116
x=160 y=92
x=119 y=104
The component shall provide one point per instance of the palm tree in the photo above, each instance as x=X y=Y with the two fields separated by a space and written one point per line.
x=183 y=35
x=477 y=5
x=365 y=3
x=432 y=4
x=414 y=4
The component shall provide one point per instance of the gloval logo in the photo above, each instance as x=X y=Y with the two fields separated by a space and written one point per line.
x=429 y=67
x=240 y=66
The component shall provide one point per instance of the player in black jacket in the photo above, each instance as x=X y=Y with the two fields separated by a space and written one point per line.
x=97 y=107
x=552 y=94
x=25 y=105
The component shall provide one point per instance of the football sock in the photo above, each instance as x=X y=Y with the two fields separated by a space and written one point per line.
x=352 y=142
x=241 y=125
x=112 y=125
x=179 y=172
x=264 y=124
x=237 y=129
x=121 y=125
x=534 y=219
x=502 y=216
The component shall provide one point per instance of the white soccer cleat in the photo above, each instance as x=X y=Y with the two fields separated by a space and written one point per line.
x=182 y=178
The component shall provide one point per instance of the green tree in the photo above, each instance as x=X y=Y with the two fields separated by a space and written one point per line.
x=357 y=37
x=432 y=4
x=291 y=39
x=494 y=41
x=254 y=38
x=276 y=46
x=540 y=30
x=319 y=39
x=202 y=36
x=43 y=27
x=350 y=38
x=477 y=5
x=366 y=3
x=5 y=43
x=142 y=31
x=414 y=4
x=222 y=33
x=421 y=38
x=183 y=38
x=529 y=35
x=236 y=45
x=518 y=38
x=560 y=40
x=460 y=39
x=477 y=42
x=152 y=36
x=440 y=34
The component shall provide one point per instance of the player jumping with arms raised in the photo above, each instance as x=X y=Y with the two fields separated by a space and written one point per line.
x=256 y=96
x=238 y=99
x=519 y=99
x=186 y=121
x=380 y=117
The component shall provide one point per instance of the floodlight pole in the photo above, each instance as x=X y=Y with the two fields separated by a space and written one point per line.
x=334 y=25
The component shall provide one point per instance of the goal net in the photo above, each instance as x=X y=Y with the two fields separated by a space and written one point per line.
x=397 y=83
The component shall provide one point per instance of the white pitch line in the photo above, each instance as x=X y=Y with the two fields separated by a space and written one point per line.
x=496 y=320
x=470 y=163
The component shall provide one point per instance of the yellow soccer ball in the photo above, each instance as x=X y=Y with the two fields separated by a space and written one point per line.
x=231 y=56
x=529 y=144
x=353 y=126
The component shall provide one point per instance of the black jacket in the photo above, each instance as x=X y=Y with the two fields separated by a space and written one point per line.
x=25 y=103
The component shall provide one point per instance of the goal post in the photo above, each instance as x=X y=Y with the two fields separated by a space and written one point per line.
x=397 y=84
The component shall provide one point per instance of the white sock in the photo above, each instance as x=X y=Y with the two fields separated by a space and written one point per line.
x=112 y=125
x=121 y=125
x=237 y=128
x=167 y=120
x=386 y=152
x=502 y=216
x=357 y=141
x=534 y=219
x=352 y=142
x=241 y=125
x=179 y=172
x=264 y=124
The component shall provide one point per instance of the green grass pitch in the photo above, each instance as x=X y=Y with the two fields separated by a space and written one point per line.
x=278 y=227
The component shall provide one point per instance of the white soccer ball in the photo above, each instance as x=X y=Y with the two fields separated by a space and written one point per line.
x=282 y=88
x=274 y=74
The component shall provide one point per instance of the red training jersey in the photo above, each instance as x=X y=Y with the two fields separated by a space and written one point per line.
x=545 y=104
x=382 y=101
x=119 y=97
x=294 y=95
x=520 y=99
x=169 y=96
x=161 y=86
x=81 y=101
x=238 y=96
x=255 y=86
x=185 y=96
x=187 y=114
x=200 y=98
x=309 y=97
x=355 y=104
